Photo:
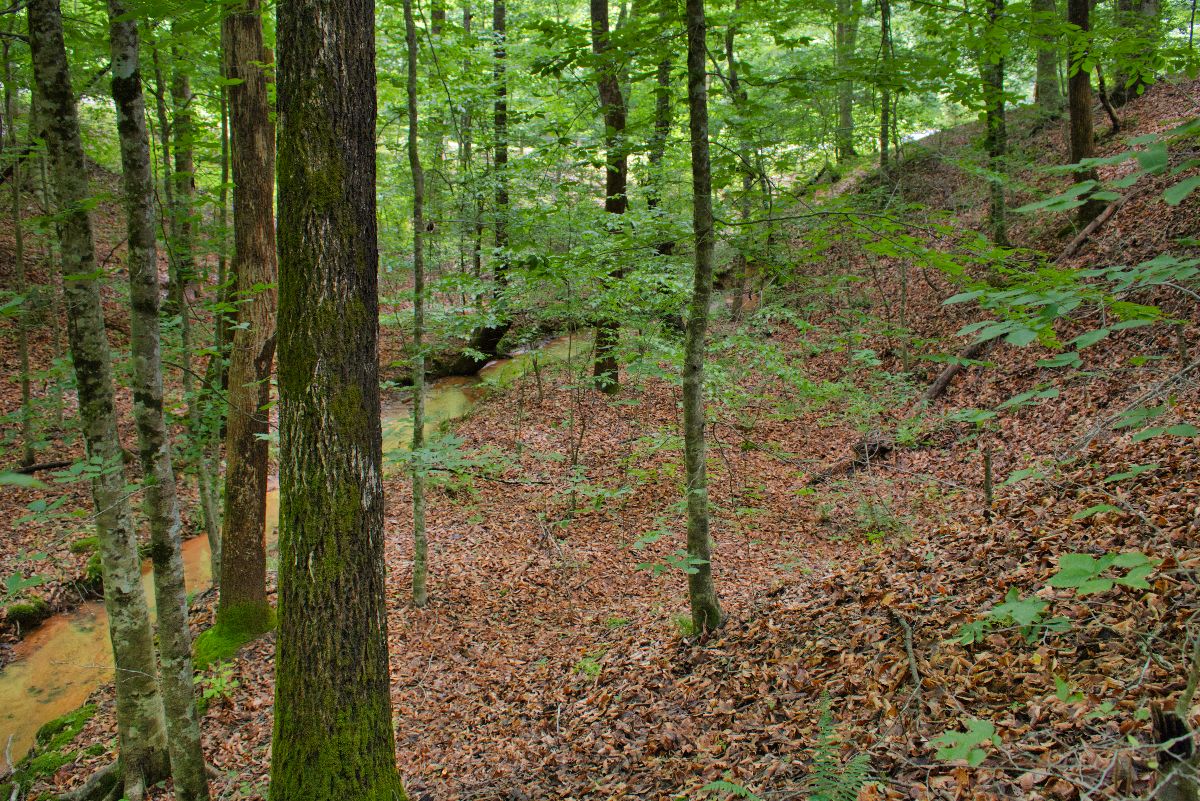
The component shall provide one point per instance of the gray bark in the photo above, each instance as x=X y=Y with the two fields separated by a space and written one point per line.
x=161 y=501
x=140 y=726
x=1046 y=91
x=420 y=574
x=706 y=611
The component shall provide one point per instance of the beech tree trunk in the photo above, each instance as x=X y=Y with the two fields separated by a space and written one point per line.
x=885 y=93
x=161 y=501
x=485 y=340
x=1079 y=86
x=420 y=574
x=616 y=179
x=1046 y=91
x=992 y=69
x=1141 y=31
x=739 y=97
x=333 y=738
x=12 y=147
x=702 y=594
x=658 y=146
x=243 y=609
x=846 y=37
x=140 y=726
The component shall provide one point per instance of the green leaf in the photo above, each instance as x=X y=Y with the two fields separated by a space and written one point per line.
x=1070 y=359
x=1183 y=430
x=1176 y=194
x=1021 y=337
x=1094 y=510
x=1090 y=338
x=20 y=480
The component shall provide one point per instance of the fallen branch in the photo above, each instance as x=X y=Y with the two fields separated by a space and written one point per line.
x=29 y=470
x=912 y=656
x=942 y=382
x=1091 y=228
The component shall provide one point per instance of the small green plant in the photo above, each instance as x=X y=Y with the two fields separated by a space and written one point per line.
x=831 y=777
x=589 y=666
x=728 y=788
x=615 y=622
x=1027 y=614
x=876 y=521
x=1085 y=574
x=967 y=745
x=219 y=683
x=685 y=625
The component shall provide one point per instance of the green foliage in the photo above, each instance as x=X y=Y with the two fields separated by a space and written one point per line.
x=967 y=745
x=26 y=614
x=1085 y=573
x=729 y=789
x=1026 y=614
x=831 y=778
x=218 y=682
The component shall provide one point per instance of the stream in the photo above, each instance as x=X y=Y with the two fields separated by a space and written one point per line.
x=60 y=663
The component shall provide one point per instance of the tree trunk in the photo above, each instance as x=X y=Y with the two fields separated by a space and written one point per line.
x=244 y=611
x=161 y=502
x=10 y=117
x=140 y=725
x=616 y=178
x=886 y=67
x=333 y=737
x=846 y=36
x=1046 y=91
x=1079 y=91
x=485 y=340
x=706 y=610
x=1141 y=36
x=420 y=574
x=992 y=67
x=741 y=262
x=658 y=147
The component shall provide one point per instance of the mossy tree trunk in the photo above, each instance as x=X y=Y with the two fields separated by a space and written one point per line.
x=886 y=67
x=616 y=178
x=161 y=501
x=140 y=726
x=420 y=570
x=658 y=144
x=706 y=610
x=333 y=738
x=746 y=160
x=243 y=609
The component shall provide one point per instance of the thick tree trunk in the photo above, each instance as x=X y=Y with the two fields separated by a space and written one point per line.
x=140 y=726
x=333 y=738
x=846 y=36
x=706 y=610
x=1045 y=23
x=997 y=129
x=160 y=502
x=1141 y=31
x=616 y=178
x=420 y=574
x=739 y=97
x=1079 y=86
x=243 y=609
x=11 y=147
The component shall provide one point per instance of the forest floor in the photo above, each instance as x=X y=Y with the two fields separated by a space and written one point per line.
x=548 y=665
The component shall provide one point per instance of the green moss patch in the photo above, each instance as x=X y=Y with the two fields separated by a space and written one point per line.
x=85 y=545
x=232 y=630
x=26 y=614
x=50 y=751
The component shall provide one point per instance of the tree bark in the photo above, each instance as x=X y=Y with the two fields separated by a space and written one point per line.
x=420 y=570
x=28 y=455
x=885 y=100
x=1046 y=91
x=140 y=725
x=846 y=36
x=243 y=609
x=333 y=737
x=702 y=594
x=161 y=501
x=658 y=147
x=992 y=68
x=739 y=97
x=1079 y=86
x=1141 y=32
x=616 y=179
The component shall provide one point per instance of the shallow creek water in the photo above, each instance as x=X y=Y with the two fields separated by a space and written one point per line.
x=60 y=663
